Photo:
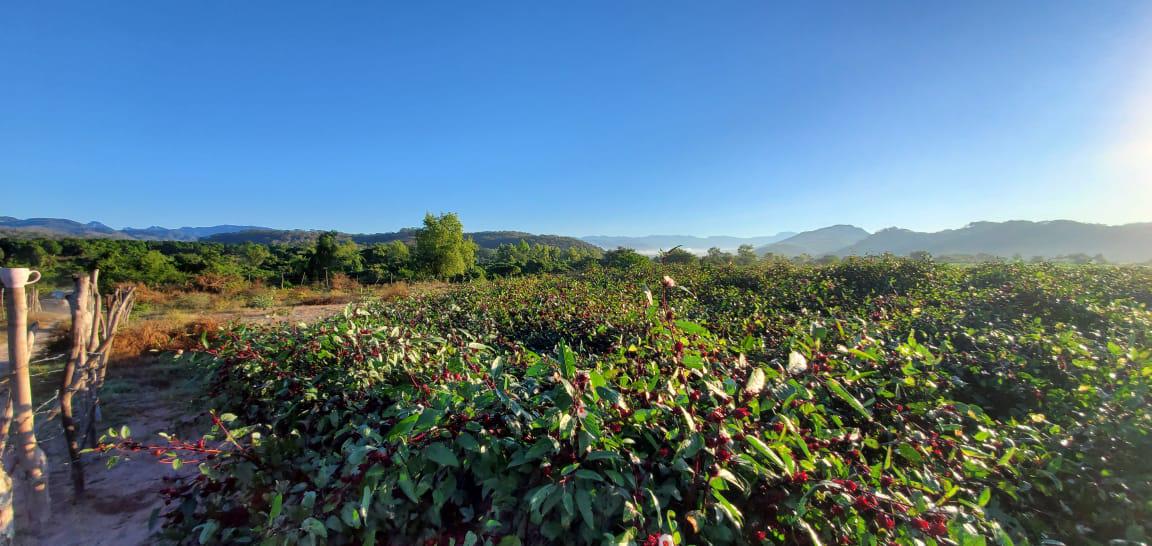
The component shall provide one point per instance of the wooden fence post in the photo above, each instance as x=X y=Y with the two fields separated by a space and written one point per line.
x=34 y=305
x=7 y=524
x=31 y=468
x=74 y=372
x=119 y=308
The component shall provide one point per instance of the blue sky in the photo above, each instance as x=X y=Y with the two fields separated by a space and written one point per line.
x=624 y=118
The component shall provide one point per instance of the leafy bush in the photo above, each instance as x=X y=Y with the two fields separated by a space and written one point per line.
x=879 y=401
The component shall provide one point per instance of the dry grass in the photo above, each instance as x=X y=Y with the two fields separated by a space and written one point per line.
x=167 y=320
x=143 y=337
x=176 y=320
x=328 y=298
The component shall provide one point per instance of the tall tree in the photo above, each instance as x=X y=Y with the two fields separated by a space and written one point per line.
x=746 y=255
x=678 y=256
x=623 y=258
x=717 y=256
x=331 y=255
x=441 y=248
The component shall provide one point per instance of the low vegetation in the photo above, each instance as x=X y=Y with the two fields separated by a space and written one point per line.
x=873 y=401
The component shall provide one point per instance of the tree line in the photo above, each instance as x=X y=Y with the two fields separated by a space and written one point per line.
x=438 y=250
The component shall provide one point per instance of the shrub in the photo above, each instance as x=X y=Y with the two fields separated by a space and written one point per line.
x=867 y=402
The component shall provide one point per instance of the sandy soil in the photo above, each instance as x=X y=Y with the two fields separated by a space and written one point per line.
x=117 y=502
x=298 y=313
x=54 y=311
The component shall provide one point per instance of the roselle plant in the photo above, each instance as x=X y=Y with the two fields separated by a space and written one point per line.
x=877 y=401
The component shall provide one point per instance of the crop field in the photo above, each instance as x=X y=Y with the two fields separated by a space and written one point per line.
x=874 y=401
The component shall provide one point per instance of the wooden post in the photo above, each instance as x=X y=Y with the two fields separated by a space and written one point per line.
x=74 y=372
x=34 y=305
x=7 y=524
x=97 y=349
x=31 y=468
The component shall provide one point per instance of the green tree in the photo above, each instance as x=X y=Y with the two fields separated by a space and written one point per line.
x=387 y=261
x=156 y=268
x=718 y=257
x=623 y=258
x=678 y=256
x=331 y=255
x=442 y=251
x=746 y=255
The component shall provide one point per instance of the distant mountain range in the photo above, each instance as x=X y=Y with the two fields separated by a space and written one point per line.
x=58 y=228
x=485 y=239
x=652 y=244
x=817 y=242
x=1129 y=243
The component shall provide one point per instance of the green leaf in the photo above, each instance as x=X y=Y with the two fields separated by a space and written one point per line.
x=207 y=530
x=406 y=485
x=586 y=474
x=567 y=360
x=542 y=447
x=277 y=505
x=985 y=496
x=691 y=328
x=766 y=451
x=1007 y=458
x=402 y=427
x=584 y=504
x=441 y=455
x=909 y=453
x=538 y=497
x=350 y=515
x=729 y=510
x=839 y=390
x=601 y=455
x=314 y=527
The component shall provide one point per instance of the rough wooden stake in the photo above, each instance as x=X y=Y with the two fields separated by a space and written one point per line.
x=73 y=378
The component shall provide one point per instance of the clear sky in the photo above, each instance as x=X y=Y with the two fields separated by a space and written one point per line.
x=584 y=117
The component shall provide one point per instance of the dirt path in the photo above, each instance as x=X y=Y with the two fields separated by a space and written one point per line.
x=54 y=312
x=118 y=502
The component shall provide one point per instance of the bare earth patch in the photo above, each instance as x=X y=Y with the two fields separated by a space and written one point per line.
x=118 y=502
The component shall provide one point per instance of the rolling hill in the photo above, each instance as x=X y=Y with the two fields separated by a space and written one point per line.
x=62 y=228
x=651 y=244
x=57 y=228
x=484 y=239
x=1126 y=243
x=817 y=242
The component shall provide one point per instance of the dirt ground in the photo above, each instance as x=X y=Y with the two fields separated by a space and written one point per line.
x=149 y=395
x=117 y=502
